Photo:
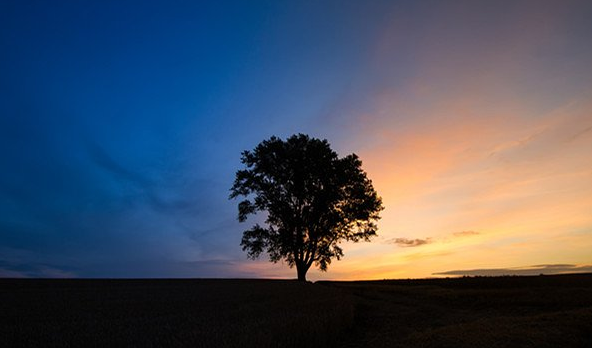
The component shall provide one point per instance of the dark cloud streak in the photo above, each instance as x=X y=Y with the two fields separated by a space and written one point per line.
x=408 y=243
x=100 y=157
x=533 y=270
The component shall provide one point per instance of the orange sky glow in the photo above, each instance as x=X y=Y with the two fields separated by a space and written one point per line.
x=483 y=154
x=123 y=128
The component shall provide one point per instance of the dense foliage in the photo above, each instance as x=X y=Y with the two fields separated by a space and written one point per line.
x=313 y=199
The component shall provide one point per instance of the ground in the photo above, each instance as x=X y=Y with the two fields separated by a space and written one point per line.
x=540 y=311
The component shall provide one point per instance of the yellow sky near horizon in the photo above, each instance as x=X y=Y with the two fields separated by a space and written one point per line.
x=481 y=149
x=492 y=138
x=517 y=194
x=482 y=154
x=496 y=190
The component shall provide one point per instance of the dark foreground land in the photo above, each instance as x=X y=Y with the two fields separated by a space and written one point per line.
x=542 y=311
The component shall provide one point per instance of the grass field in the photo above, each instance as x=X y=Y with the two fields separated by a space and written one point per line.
x=536 y=311
x=543 y=311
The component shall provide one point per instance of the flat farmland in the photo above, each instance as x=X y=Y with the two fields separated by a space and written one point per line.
x=171 y=313
x=527 y=311
x=540 y=311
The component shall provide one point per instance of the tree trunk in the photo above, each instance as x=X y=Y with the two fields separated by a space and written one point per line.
x=301 y=269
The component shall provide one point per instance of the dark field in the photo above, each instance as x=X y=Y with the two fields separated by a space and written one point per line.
x=536 y=311
x=543 y=311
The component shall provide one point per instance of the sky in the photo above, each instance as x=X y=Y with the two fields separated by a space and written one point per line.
x=122 y=124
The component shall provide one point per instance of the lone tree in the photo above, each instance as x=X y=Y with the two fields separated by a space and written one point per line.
x=313 y=199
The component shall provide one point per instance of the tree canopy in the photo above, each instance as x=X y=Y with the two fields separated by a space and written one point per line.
x=313 y=199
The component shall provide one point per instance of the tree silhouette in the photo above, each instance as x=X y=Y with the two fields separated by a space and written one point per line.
x=314 y=200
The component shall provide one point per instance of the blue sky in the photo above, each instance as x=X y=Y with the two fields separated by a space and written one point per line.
x=122 y=123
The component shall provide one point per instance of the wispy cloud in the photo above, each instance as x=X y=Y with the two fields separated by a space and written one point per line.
x=34 y=270
x=104 y=160
x=532 y=270
x=415 y=242
x=580 y=133
x=465 y=233
x=407 y=243
x=515 y=144
x=8 y=273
